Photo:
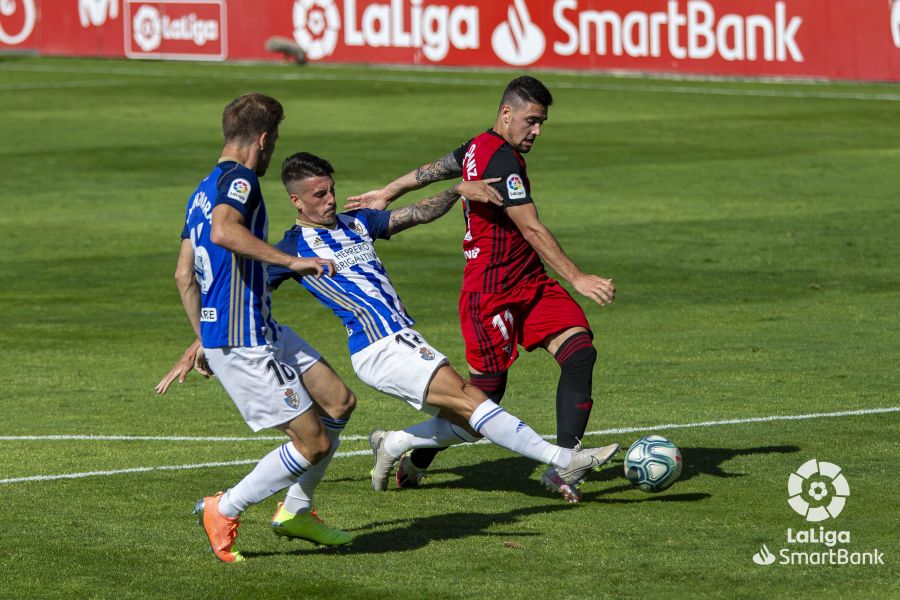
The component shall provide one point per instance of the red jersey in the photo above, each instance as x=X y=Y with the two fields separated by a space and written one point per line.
x=498 y=257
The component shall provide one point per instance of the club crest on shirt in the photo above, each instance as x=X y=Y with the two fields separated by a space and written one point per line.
x=291 y=398
x=239 y=190
x=358 y=228
x=515 y=187
x=425 y=353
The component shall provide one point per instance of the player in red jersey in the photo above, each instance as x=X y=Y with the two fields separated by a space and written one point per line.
x=507 y=298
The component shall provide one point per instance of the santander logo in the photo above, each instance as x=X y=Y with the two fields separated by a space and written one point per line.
x=518 y=41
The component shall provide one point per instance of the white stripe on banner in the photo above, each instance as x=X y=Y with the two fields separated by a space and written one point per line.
x=846 y=413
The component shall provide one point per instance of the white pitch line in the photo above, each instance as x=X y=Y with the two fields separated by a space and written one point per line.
x=438 y=80
x=771 y=418
x=355 y=438
x=50 y=85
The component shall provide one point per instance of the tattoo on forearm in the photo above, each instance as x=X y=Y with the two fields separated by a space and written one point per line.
x=424 y=211
x=443 y=168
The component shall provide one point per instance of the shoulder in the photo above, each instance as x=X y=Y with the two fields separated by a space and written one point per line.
x=288 y=243
x=237 y=182
x=374 y=222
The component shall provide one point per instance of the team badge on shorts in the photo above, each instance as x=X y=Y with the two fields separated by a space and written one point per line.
x=291 y=398
x=426 y=354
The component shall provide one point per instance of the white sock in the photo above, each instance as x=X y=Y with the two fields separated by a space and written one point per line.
x=299 y=498
x=433 y=433
x=508 y=431
x=278 y=469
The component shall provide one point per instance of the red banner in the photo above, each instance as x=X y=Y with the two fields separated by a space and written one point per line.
x=839 y=39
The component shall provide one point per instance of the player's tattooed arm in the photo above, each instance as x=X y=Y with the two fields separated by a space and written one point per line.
x=429 y=209
x=443 y=168
x=424 y=211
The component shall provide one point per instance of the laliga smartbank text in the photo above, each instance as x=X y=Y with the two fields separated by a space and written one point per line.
x=799 y=552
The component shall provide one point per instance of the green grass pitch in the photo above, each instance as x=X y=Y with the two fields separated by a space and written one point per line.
x=753 y=233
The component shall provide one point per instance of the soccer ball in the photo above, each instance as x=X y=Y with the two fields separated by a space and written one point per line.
x=653 y=463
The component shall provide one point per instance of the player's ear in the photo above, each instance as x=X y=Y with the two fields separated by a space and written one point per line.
x=262 y=139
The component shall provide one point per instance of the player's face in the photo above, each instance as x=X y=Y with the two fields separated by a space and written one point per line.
x=523 y=124
x=265 y=154
x=314 y=198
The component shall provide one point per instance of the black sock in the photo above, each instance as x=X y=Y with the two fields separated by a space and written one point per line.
x=492 y=384
x=576 y=358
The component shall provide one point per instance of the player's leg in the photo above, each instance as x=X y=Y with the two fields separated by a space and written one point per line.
x=402 y=365
x=574 y=351
x=268 y=394
x=412 y=467
x=452 y=394
x=488 y=325
x=334 y=403
x=296 y=517
x=558 y=324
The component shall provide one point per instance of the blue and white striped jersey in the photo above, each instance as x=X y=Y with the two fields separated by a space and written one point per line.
x=359 y=293
x=234 y=295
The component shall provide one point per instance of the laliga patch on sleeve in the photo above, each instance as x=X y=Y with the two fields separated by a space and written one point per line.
x=515 y=187
x=239 y=190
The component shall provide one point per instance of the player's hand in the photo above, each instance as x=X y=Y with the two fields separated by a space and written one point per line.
x=187 y=362
x=600 y=290
x=375 y=199
x=201 y=365
x=480 y=191
x=317 y=267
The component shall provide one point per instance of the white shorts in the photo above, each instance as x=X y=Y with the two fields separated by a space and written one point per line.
x=401 y=365
x=264 y=380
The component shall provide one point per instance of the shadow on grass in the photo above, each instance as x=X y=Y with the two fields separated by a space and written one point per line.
x=417 y=532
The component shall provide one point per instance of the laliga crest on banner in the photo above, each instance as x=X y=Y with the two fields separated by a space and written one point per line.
x=316 y=26
x=518 y=41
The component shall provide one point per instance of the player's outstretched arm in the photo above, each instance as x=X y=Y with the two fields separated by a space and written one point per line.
x=442 y=169
x=600 y=290
x=434 y=207
x=186 y=282
x=228 y=230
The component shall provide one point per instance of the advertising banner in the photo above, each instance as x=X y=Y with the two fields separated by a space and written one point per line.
x=836 y=39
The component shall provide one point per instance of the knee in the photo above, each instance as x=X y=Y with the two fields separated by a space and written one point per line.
x=317 y=448
x=347 y=405
x=577 y=352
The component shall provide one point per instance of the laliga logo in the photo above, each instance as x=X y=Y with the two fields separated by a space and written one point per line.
x=8 y=9
x=147 y=30
x=316 y=25
x=823 y=484
x=518 y=41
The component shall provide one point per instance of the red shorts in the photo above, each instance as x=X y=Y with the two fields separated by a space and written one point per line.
x=494 y=325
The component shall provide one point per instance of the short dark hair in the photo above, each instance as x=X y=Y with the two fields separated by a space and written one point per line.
x=250 y=115
x=304 y=165
x=526 y=89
